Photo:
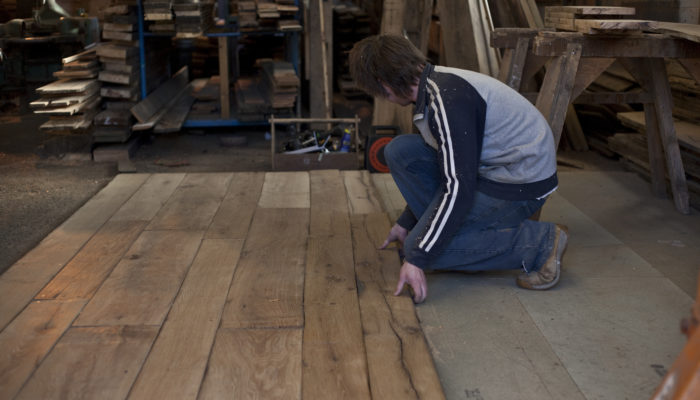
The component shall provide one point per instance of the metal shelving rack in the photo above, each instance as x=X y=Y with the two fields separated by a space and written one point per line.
x=225 y=35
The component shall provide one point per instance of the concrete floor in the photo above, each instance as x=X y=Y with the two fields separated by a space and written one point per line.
x=608 y=331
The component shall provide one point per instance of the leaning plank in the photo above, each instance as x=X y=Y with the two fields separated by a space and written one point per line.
x=399 y=360
x=81 y=277
x=254 y=364
x=91 y=363
x=149 y=106
x=194 y=203
x=27 y=276
x=285 y=190
x=268 y=289
x=334 y=366
x=173 y=119
x=88 y=53
x=232 y=220
x=25 y=342
x=148 y=200
x=362 y=196
x=176 y=364
x=142 y=286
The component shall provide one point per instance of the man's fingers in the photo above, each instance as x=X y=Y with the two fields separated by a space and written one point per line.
x=386 y=243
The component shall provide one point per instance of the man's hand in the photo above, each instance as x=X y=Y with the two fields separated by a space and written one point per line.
x=415 y=277
x=397 y=232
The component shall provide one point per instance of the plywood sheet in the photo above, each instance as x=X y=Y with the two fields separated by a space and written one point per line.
x=194 y=203
x=25 y=342
x=285 y=190
x=176 y=364
x=267 y=290
x=232 y=220
x=92 y=363
x=27 y=276
x=81 y=277
x=141 y=288
x=254 y=364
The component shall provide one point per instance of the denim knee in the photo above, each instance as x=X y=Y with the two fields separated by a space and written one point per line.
x=402 y=147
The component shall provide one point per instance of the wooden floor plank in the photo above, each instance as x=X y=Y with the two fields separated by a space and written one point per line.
x=91 y=363
x=148 y=200
x=334 y=362
x=389 y=193
x=254 y=364
x=142 y=286
x=22 y=281
x=267 y=289
x=26 y=341
x=236 y=211
x=194 y=202
x=176 y=364
x=285 y=190
x=81 y=277
x=362 y=197
x=399 y=361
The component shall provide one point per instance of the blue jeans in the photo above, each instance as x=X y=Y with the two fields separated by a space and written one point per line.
x=496 y=234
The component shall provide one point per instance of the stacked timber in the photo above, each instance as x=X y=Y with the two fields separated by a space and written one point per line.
x=192 y=17
x=632 y=148
x=350 y=25
x=251 y=101
x=685 y=91
x=247 y=15
x=72 y=101
x=119 y=55
x=161 y=14
x=266 y=15
x=281 y=84
x=595 y=19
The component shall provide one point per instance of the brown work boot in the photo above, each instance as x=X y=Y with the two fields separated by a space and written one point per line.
x=548 y=275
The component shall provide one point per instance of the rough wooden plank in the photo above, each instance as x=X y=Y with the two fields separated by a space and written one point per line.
x=194 y=203
x=362 y=197
x=399 y=360
x=81 y=277
x=285 y=190
x=254 y=364
x=25 y=342
x=177 y=362
x=27 y=276
x=142 y=286
x=68 y=86
x=596 y=25
x=91 y=363
x=458 y=35
x=232 y=220
x=224 y=71
x=685 y=31
x=688 y=133
x=592 y=10
x=149 y=106
x=392 y=200
x=175 y=116
x=267 y=290
x=333 y=365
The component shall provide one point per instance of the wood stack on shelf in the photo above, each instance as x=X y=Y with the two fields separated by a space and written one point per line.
x=119 y=74
x=161 y=15
x=192 y=17
x=685 y=91
x=266 y=14
x=594 y=19
x=247 y=15
x=8 y=10
x=281 y=84
x=72 y=101
x=251 y=103
x=350 y=25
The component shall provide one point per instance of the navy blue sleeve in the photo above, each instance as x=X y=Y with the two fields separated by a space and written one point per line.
x=456 y=115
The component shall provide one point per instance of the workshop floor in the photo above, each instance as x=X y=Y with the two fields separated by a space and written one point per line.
x=610 y=330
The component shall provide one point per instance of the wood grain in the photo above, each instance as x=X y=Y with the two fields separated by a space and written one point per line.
x=362 y=197
x=176 y=364
x=91 y=363
x=232 y=220
x=22 y=281
x=25 y=342
x=285 y=190
x=267 y=289
x=399 y=361
x=148 y=200
x=81 y=277
x=254 y=364
x=142 y=286
x=194 y=203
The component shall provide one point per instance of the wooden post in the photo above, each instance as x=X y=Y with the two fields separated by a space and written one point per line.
x=224 y=89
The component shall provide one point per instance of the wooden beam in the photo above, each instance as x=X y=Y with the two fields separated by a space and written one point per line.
x=642 y=45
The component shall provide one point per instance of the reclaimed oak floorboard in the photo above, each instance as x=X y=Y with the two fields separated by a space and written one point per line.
x=23 y=280
x=334 y=362
x=150 y=198
x=285 y=190
x=91 y=363
x=232 y=220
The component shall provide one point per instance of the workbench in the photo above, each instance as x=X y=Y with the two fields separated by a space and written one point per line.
x=574 y=60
